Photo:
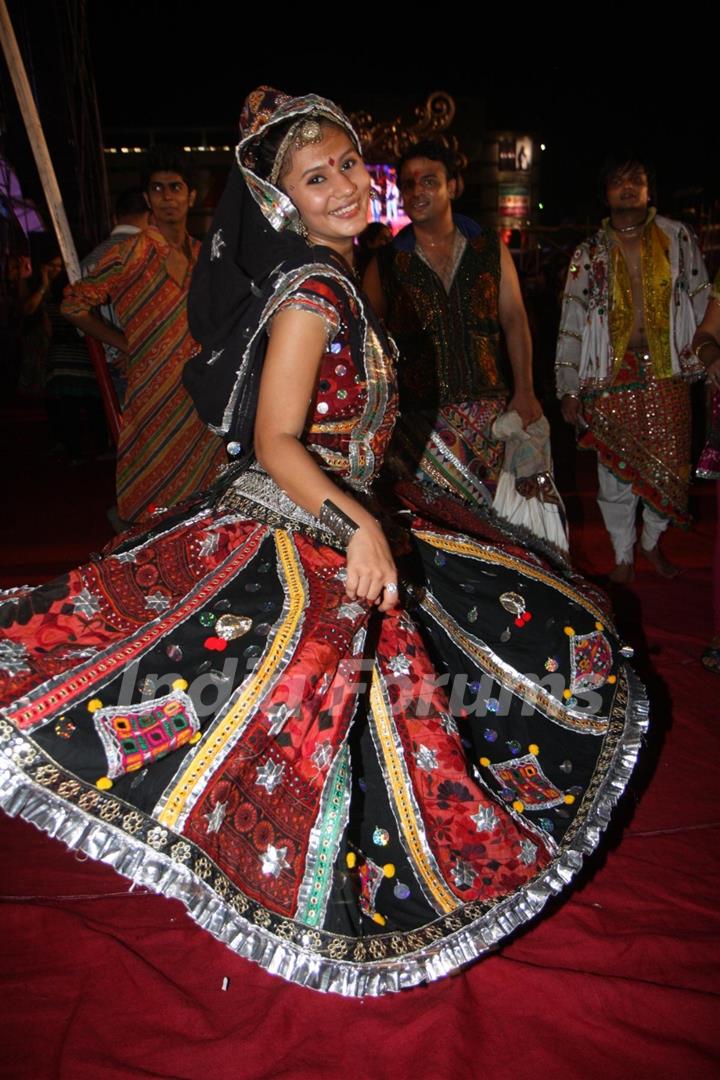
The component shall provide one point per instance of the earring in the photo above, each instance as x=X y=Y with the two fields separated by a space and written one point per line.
x=301 y=229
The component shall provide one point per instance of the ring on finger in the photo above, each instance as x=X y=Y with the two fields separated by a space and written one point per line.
x=390 y=587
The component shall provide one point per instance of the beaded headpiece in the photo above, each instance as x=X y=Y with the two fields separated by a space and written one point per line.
x=263 y=109
x=304 y=133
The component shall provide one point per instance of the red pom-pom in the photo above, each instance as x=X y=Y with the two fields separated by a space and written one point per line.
x=216 y=644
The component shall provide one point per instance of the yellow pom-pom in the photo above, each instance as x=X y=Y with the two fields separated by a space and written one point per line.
x=351 y=859
x=567 y=694
x=389 y=870
x=612 y=678
x=599 y=626
x=569 y=631
x=569 y=799
x=94 y=705
x=180 y=684
x=379 y=919
x=533 y=748
x=195 y=738
x=519 y=806
x=104 y=783
x=485 y=761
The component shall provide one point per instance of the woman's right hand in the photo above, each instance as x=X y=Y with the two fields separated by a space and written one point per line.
x=371 y=568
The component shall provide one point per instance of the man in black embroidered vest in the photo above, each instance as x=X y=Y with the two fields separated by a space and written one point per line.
x=446 y=288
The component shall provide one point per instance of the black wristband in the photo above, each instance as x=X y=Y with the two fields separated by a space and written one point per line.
x=339 y=524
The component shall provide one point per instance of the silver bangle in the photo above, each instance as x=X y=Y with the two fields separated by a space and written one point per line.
x=339 y=524
x=701 y=346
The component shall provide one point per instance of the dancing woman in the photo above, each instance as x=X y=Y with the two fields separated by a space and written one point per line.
x=233 y=709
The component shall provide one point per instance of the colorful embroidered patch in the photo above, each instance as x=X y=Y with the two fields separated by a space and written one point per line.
x=136 y=735
x=591 y=661
x=370 y=875
x=523 y=779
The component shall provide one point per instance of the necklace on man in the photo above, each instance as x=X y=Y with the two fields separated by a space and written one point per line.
x=448 y=238
x=442 y=265
x=622 y=229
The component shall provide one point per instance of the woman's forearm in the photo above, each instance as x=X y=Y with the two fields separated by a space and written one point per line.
x=301 y=478
x=371 y=574
x=289 y=376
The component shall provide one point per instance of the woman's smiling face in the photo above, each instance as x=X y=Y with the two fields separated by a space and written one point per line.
x=330 y=186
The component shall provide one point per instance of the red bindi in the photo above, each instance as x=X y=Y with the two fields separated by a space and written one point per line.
x=331 y=160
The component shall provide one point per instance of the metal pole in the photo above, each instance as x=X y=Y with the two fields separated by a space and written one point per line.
x=36 y=135
x=48 y=179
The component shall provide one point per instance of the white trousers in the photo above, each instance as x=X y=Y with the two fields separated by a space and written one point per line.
x=618 y=506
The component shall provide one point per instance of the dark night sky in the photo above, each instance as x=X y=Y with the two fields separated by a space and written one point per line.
x=180 y=64
x=199 y=75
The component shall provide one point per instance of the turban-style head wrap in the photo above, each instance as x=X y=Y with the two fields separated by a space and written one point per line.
x=252 y=241
x=262 y=114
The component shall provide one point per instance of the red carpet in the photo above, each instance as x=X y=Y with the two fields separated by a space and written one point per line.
x=620 y=981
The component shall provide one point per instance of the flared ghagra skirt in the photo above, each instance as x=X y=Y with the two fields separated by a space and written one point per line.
x=358 y=802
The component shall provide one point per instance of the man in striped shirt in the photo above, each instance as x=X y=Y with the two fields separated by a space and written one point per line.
x=164 y=451
x=132 y=215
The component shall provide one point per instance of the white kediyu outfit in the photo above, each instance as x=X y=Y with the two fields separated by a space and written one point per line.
x=636 y=404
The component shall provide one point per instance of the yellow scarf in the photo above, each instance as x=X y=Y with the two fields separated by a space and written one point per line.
x=657 y=296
